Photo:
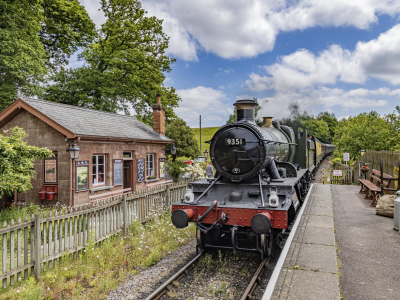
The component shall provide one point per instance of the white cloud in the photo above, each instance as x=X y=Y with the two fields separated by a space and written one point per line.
x=247 y=28
x=243 y=28
x=308 y=78
x=211 y=104
x=222 y=71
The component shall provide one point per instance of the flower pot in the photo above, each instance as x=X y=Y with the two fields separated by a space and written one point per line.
x=50 y=196
x=364 y=170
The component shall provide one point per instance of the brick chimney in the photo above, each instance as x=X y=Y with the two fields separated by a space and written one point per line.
x=159 y=117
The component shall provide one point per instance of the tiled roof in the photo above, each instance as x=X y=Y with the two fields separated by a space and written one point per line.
x=85 y=121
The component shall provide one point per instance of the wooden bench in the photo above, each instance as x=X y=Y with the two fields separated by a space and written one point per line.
x=97 y=197
x=373 y=190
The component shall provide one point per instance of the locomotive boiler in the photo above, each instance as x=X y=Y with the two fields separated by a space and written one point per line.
x=262 y=176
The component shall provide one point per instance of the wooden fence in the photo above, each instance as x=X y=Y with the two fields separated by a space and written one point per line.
x=372 y=159
x=37 y=244
x=347 y=174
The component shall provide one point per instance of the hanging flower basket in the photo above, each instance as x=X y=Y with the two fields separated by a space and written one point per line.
x=364 y=169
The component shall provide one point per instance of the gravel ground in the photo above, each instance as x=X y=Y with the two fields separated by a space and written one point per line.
x=141 y=285
x=323 y=167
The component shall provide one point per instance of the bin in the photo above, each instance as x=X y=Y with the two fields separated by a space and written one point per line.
x=42 y=195
x=50 y=196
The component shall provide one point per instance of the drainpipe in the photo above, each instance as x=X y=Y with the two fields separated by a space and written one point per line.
x=70 y=182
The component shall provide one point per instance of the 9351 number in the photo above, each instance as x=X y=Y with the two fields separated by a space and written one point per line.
x=235 y=142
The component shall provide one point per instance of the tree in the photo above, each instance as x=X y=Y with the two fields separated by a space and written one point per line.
x=17 y=162
x=66 y=28
x=367 y=130
x=37 y=36
x=22 y=65
x=330 y=119
x=319 y=129
x=124 y=67
x=183 y=137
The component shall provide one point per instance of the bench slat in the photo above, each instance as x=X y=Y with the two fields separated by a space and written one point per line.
x=370 y=185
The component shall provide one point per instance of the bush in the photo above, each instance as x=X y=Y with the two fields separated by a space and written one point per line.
x=175 y=168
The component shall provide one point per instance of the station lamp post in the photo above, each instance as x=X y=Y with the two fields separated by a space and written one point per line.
x=362 y=151
x=206 y=155
x=172 y=150
x=74 y=152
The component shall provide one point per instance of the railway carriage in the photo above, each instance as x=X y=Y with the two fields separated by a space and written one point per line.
x=263 y=174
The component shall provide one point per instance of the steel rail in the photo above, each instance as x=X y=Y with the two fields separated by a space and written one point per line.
x=158 y=293
x=256 y=278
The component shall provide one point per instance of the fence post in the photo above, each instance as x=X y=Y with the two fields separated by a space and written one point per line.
x=37 y=246
x=167 y=196
x=124 y=216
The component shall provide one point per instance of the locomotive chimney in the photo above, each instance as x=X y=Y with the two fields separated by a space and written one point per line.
x=267 y=122
x=159 y=117
x=245 y=110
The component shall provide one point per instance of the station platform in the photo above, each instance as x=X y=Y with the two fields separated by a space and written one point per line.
x=310 y=269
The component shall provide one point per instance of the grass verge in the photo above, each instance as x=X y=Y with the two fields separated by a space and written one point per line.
x=98 y=270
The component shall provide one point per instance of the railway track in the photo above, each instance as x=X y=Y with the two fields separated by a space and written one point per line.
x=163 y=289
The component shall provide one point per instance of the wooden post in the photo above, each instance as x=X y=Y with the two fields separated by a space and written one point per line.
x=37 y=246
x=124 y=216
x=167 y=196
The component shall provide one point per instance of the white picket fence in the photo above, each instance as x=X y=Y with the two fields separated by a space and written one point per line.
x=37 y=244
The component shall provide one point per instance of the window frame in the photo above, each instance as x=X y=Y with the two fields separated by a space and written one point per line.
x=147 y=166
x=97 y=168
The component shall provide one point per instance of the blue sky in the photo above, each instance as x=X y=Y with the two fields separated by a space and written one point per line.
x=338 y=56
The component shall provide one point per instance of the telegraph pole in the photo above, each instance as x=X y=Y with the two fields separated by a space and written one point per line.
x=200 y=137
x=339 y=142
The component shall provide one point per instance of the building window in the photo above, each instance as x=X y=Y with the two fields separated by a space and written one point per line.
x=127 y=155
x=99 y=165
x=150 y=166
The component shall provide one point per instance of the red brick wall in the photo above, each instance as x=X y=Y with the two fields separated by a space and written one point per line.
x=42 y=135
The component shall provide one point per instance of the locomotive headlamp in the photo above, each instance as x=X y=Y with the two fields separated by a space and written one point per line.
x=273 y=198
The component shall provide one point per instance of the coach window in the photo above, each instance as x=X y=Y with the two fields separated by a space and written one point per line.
x=150 y=172
x=98 y=169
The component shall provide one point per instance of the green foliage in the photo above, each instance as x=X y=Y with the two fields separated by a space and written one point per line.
x=207 y=134
x=330 y=119
x=17 y=162
x=100 y=268
x=319 y=129
x=22 y=64
x=37 y=36
x=175 y=168
x=124 y=66
x=67 y=27
x=183 y=137
x=369 y=131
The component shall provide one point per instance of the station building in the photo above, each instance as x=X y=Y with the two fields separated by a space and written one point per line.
x=118 y=152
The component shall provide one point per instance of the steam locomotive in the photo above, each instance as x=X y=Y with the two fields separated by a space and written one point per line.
x=263 y=174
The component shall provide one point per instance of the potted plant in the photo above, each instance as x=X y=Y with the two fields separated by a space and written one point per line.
x=364 y=169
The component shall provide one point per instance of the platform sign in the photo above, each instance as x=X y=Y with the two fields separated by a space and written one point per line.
x=396 y=174
x=337 y=173
x=346 y=156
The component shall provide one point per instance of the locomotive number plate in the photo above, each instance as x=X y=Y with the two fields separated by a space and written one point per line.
x=235 y=142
